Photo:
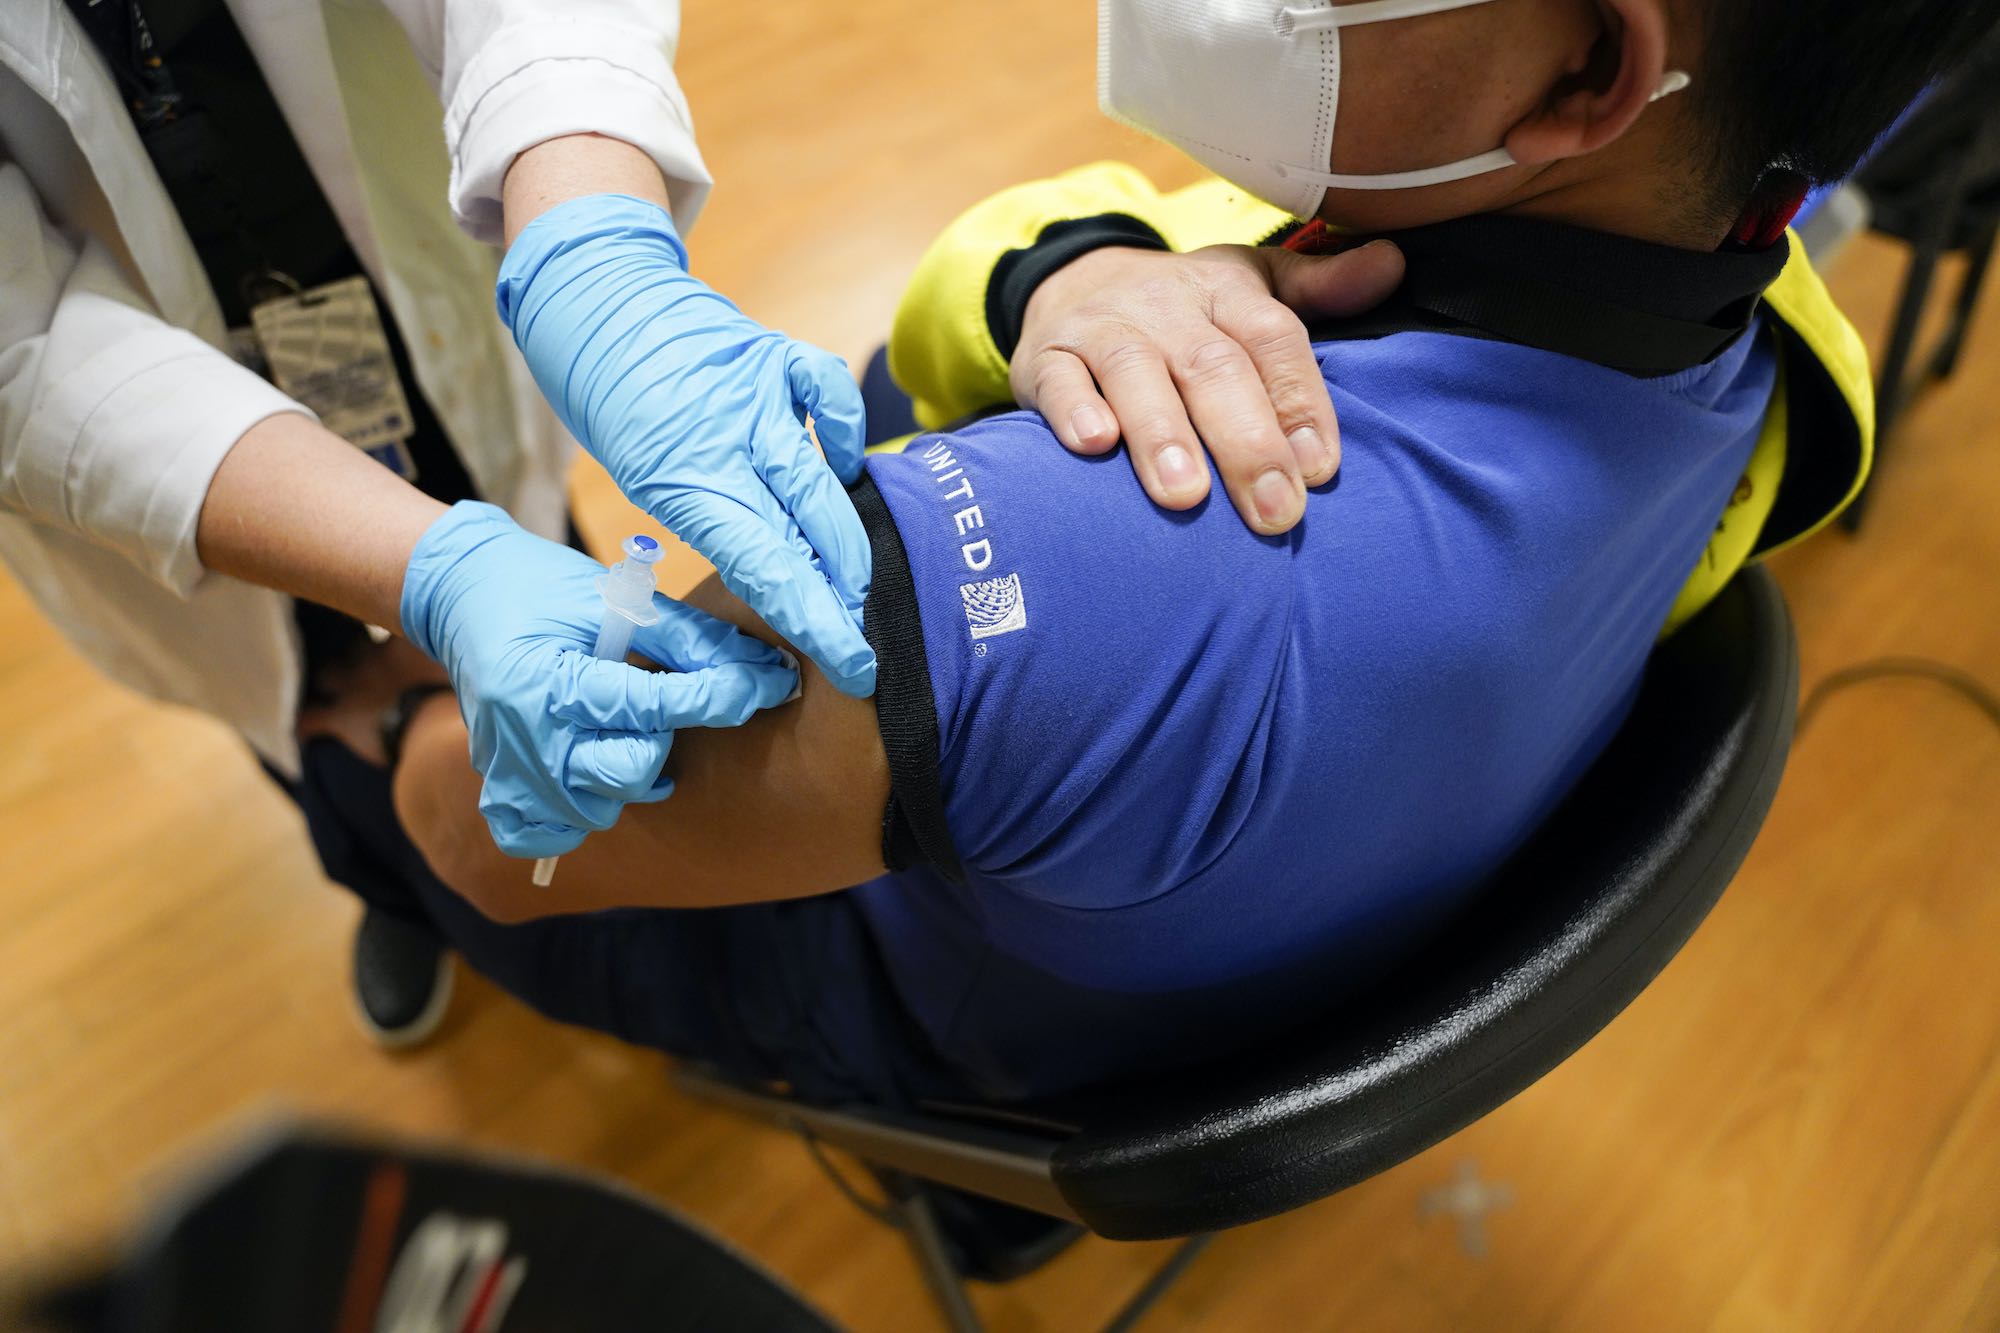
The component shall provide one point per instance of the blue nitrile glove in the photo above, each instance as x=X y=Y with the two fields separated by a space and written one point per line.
x=563 y=740
x=698 y=413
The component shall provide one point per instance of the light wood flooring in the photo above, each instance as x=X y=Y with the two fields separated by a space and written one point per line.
x=1796 y=1128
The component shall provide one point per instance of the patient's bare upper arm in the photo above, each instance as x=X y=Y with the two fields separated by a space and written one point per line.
x=786 y=806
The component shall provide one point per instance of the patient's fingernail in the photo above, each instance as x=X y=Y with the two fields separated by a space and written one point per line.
x=1314 y=460
x=1090 y=423
x=1277 y=498
x=1178 y=472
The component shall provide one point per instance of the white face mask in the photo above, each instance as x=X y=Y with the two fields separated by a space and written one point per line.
x=1250 y=89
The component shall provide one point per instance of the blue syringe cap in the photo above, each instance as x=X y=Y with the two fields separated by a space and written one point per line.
x=642 y=548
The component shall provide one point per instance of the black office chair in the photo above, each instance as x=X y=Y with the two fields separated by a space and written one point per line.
x=1567 y=934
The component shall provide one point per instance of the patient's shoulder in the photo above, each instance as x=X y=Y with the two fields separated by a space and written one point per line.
x=1082 y=650
x=1483 y=579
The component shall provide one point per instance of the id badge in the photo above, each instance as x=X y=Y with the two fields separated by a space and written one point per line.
x=325 y=347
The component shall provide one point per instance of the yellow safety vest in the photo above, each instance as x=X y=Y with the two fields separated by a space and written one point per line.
x=1810 y=460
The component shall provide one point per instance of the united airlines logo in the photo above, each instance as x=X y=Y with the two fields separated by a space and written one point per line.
x=994 y=606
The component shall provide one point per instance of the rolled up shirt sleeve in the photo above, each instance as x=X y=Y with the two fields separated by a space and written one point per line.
x=112 y=422
x=515 y=73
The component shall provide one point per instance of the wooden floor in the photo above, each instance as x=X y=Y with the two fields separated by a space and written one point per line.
x=1797 y=1127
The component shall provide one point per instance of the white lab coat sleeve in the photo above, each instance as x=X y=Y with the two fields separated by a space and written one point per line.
x=514 y=73
x=112 y=422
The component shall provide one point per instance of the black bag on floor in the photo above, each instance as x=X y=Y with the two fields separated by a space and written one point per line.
x=314 y=1233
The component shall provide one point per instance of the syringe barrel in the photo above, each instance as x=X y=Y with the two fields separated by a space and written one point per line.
x=614 y=637
x=627 y=588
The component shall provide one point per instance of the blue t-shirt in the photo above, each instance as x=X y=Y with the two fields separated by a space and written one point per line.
x=1196 y=778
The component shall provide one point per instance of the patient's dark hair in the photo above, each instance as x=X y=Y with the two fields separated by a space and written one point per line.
x=1810 y=84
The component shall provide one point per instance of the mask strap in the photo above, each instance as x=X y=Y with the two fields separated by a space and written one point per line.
x=1401 y=180
x=1294 y=19
x=1463 y=169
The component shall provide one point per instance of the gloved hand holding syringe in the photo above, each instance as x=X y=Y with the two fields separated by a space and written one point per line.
x=564 y=742
x=628 y=602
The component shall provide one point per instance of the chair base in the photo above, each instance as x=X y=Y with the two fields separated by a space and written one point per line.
x=901 y=1150
x=911 y=1213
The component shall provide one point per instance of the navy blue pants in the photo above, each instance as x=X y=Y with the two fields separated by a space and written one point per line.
x=789 y=990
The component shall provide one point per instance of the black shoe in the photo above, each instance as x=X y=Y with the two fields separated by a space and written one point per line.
x=402 y=979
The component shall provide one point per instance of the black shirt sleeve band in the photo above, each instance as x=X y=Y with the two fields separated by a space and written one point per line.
x=913 y=827
x=1020 y=272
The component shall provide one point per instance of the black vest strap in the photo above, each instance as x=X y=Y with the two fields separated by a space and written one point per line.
x=1629 y=305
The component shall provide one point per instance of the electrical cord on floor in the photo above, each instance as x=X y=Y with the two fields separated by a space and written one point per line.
x=1962 y=683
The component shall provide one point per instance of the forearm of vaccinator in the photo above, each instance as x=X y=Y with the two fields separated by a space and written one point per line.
x=558 y=170
x=296 y=508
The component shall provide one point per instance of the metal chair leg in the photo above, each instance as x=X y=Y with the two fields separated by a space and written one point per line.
x=1985 y=148
x=1945 y=360
x=919 y=1223
x=1892 y=385
x=1156 y=1286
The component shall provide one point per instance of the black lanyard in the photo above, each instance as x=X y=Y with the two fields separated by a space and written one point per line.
x=173 y=129
x=119 y=30
x=260 y=223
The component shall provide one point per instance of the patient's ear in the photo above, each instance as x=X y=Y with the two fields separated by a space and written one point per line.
x=1605 y=89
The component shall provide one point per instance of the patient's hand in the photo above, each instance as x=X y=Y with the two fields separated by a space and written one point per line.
x=1182 y=350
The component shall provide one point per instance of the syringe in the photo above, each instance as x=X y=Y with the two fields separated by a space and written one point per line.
x=628 y=602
